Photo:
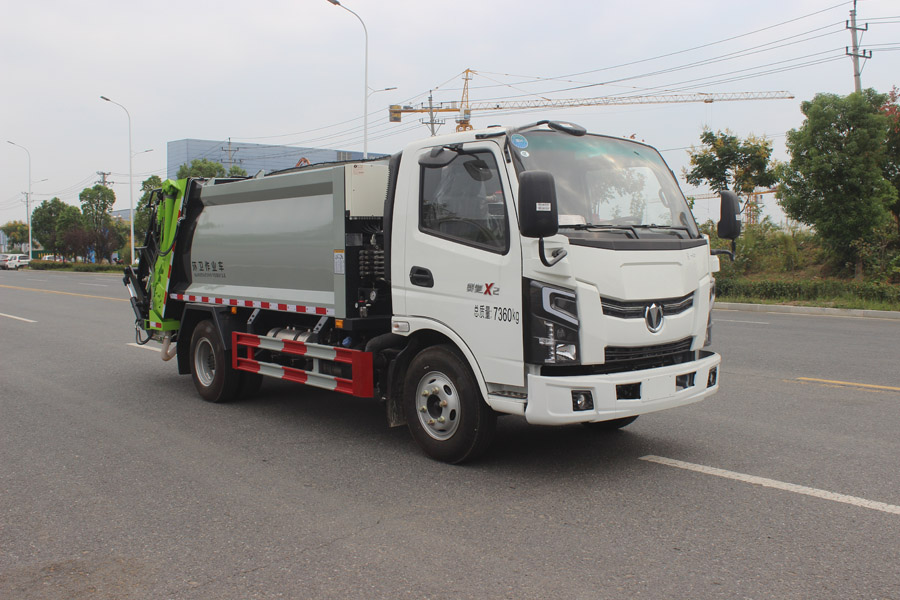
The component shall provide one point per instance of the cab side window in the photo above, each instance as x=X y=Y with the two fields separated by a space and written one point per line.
x=463 y=201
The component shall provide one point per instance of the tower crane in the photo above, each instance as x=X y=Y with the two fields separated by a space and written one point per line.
x=464 y=108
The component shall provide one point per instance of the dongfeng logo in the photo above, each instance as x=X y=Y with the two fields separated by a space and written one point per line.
x=653 y=316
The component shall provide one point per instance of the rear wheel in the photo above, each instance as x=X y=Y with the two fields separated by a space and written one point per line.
x=211 y=370
x=612 y=424
x=444 y=409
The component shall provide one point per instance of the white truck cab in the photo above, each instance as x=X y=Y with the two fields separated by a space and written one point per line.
x=586 y=300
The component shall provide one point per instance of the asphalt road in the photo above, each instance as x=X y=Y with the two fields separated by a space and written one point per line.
x=117 y=481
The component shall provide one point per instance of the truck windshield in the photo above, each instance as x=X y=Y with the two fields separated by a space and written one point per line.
x=607 y=183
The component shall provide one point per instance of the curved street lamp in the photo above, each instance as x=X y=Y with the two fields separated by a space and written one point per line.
x=28 y=195
x=130 y=175
x=366 y=83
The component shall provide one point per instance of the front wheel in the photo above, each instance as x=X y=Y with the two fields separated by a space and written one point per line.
x=444 y=409
x=211 y=370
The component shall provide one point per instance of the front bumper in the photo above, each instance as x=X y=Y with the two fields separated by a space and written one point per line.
x=550 y=398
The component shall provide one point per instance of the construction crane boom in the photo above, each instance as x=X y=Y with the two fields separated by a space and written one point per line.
x=464 y=108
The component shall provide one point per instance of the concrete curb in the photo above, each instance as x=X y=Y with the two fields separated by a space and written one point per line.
x=809 y=310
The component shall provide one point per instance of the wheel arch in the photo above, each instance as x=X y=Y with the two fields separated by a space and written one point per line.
x=223 y=321
x=426 y=333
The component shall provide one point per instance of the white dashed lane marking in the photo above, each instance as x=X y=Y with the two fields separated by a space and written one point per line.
x=17 y=318
x=778 y=485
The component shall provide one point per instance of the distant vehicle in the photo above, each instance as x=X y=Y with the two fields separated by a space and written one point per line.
x=13 y=261
x=52 y=258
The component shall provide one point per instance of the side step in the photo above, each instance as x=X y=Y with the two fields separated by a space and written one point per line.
x=361 y=383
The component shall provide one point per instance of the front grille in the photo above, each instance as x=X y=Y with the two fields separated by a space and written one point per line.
x=646 y=353
x=635 y=309
x=621 y=359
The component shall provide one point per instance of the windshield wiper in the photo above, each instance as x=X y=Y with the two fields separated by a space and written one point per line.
x=591 y=227
x=673 y=228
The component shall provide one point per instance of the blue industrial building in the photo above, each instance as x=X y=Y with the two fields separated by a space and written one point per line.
x=250 y=157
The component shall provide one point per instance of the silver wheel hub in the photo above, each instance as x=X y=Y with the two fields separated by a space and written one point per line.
x=437 y=405
x=205 y=362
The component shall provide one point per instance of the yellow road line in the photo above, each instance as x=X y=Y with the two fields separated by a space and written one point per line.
x=15 y=287
x=850 y=384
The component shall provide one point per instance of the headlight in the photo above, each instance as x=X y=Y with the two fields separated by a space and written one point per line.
x=553 y=325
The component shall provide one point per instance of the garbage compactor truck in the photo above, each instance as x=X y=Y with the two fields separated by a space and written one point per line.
x=537 y=271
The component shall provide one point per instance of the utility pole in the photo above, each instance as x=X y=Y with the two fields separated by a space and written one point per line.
x=855 y=54
x=230 y=153
x=431 y=122
x=103 y=180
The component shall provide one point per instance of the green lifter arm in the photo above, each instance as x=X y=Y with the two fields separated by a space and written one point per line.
x=168 y=217
x=148 y=283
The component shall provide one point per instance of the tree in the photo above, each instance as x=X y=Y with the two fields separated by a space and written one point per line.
x=201 y=167
x=73 y=238
x=142 y=212
x=96 y=204
x=43 y=223
x=16 y=232
x=727 y=162
x=891 y=110
x=236 y=171
x=835 y=180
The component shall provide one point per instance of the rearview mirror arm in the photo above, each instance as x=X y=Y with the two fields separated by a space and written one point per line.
x=555 y=257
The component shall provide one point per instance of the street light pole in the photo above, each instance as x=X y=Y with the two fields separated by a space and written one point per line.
x=130 y=175
x=365 y=84
x=27 y=196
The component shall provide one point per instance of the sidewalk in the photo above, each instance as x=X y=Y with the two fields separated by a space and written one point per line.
x=808 y=310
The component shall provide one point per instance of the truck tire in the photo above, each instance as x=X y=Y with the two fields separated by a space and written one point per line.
x=612 y=424
x=211 y=370
x=444 y=409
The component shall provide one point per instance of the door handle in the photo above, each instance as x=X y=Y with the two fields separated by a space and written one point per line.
x=421 y=277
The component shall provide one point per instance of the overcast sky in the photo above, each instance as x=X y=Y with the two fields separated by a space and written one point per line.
x=291 y=72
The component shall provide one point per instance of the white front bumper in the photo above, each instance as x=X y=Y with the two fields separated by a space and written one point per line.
x=550 y=398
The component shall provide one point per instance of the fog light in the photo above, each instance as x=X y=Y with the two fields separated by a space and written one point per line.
x=713 y=375
x=582 y=400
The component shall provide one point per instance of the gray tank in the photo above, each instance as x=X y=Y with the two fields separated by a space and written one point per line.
x=283 y=238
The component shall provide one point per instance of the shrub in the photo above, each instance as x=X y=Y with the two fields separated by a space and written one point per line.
x=46 y=265
x=807 y=290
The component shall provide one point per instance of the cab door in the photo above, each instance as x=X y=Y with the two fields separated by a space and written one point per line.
x=463 y=256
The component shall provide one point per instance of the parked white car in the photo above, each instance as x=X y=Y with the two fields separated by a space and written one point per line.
x=13 y=261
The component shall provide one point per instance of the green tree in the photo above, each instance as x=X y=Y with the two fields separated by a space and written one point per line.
x=724 y=161
x=201 y=167
x=96 y=204
x=891 y=110
x=236 y=171
x=16 y=232
x=43 y=223
x=142 y=212
x=835 y=180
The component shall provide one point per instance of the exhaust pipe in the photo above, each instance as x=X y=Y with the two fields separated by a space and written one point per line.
x=168 y=349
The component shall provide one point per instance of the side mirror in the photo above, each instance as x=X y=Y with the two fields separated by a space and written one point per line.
x=439 y=157
x=538 y=213
x=729 y=227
